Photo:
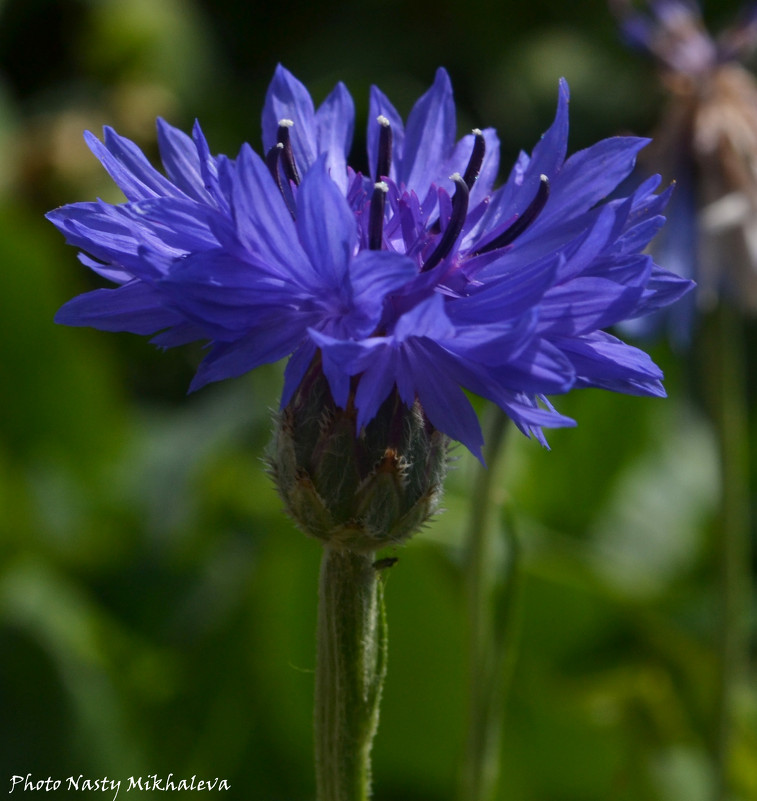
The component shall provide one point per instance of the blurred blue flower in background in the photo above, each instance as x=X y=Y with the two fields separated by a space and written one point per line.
x=418 y=279
x=707 y=142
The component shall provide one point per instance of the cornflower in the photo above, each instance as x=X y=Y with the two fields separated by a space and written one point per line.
x=419 y=279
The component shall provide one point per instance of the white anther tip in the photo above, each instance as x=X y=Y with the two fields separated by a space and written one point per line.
x=477 y=132
x=383 y=121
x=285 y=123
x=456 y=177
x=383 y=186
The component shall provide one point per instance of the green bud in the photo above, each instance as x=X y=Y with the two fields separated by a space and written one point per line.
x=356 y=490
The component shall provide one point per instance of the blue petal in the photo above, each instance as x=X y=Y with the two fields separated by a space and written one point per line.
x=326 y=226
x=129 y=168
x=335 y=122
x=615 y=357
x=427 y=319
x=209 y=168
x=590 y=175
x=181 y=160
x=429 y=136
x=513 y=294
x=112 y=273
x=374 y=274
x=280 y=335
x=663 y=289
x=134 y=307
x=586 y=303
x=529 y=417
x=103 y=232
x=264 y=224
x=225 y=294
x=443 y=402
x=288 y=99
x=376 y=382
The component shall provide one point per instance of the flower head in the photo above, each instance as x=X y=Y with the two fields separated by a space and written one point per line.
x=707 y=142
x=417 y=281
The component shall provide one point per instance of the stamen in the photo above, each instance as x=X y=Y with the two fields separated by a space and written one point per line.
x=455 y=225
x=287 y=155
x=476 y=159
x=376 y=219
x=272 y=159
x=384 y=163
x=533 y=210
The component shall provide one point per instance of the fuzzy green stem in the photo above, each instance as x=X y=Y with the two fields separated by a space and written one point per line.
x=350 y=670
x=727 y=372
x=492 y=589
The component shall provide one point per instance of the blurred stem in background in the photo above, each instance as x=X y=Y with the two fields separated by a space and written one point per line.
x=491 y=574
x=724 y=362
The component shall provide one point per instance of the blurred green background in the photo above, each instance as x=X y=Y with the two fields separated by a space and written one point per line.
x=157 y=610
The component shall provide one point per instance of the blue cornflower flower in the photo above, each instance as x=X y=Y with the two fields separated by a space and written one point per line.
x=706 y=141
x=418 y=280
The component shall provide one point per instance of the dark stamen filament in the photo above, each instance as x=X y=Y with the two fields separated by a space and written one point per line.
x=287 y=155
x=272 y=159
x=376 y=220
x=384 y=163
x=476 y=159
x=455 y=225
x=521 y=223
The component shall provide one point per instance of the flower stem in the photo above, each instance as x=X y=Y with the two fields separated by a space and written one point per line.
x=727 y=372
x=350 y=670
x=492 y=592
